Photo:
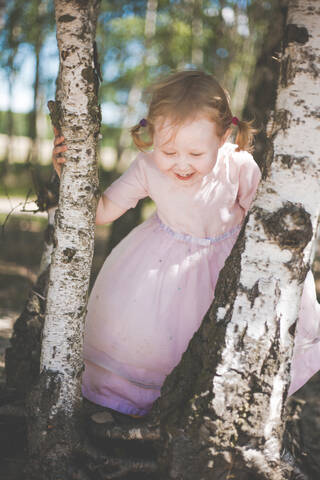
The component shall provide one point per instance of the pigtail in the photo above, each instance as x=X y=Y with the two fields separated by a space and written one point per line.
x=136 y=132
x=245 y=135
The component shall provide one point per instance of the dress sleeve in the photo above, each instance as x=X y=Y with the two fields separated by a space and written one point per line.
x=249 y=178
x=130 y=187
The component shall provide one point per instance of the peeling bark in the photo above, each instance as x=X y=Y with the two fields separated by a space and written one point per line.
x=223 y=407
x=53 y=406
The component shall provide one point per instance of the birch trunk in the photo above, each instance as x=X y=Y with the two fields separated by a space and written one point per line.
x=222 y=409
x=54 y=405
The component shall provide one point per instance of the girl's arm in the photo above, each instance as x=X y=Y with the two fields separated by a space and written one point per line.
x=107 y=211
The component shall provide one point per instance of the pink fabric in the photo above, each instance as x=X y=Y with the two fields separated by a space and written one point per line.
x=158 y=282
x=306 y=353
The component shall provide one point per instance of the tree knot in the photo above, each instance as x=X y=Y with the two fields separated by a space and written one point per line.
x=290 y=226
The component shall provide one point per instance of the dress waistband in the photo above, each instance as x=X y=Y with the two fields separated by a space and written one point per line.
x=204 y=242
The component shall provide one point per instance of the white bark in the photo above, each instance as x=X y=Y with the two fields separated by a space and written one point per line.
x=48 y=246
x=75 y=218
x=235 y=417
x=278 y=238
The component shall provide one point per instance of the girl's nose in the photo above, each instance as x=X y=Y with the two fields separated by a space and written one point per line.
x=182 y=162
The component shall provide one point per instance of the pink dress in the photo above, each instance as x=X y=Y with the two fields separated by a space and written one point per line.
x=158 y=282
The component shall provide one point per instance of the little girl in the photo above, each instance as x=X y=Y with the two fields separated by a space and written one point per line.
x=157 y=284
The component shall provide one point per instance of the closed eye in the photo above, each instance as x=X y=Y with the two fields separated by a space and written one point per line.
x=169 y=153
x=196 y=154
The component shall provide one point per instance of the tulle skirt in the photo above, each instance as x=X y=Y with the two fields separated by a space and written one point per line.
x=306 y=352
x=147 y=302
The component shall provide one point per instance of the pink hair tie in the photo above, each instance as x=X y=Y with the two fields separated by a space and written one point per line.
x=143 y=122
x=235 y=120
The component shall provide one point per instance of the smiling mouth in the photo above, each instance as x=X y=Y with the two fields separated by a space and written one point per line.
x=184 y=177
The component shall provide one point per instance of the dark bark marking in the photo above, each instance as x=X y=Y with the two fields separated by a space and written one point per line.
x=287 y=72
x=289 y=160
x=313 y=113
x=270 y=364
x=293 y=33
x=69 y=254
x=252 y=293
x=290 y=227
x=240 y=343
x=283 y=119
x=97 y=65
x=55 y=113
x=88 y=74
x=314 y=69
x=279 y=120
x=292 y=329
x=64 y=54
x=311 y=60
x=268 y=159
x=298 y=267
x=82 y=3
x=66 y=18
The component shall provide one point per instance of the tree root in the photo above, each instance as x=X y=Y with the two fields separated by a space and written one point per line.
x=108 y=467
x=140 y=431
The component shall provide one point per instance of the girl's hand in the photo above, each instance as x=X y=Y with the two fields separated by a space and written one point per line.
x=59 y=147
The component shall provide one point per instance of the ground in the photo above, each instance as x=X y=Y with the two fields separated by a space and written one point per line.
x=20 y=252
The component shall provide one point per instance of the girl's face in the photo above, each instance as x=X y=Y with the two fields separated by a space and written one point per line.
x=187 y=152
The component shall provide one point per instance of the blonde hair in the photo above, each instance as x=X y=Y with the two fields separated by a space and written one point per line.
x=183 y=95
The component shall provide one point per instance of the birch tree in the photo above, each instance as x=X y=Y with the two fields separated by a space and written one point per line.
x=222 y=409
x=54 y=405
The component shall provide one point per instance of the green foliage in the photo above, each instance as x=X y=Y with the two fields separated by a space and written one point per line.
x=223 y=37
x=181 y=27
